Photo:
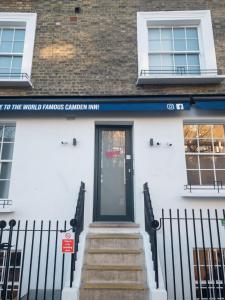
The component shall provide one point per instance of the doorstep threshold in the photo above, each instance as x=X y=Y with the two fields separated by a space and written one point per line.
x=114 y=225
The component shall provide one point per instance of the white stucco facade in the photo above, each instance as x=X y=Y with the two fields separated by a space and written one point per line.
x=46 y=174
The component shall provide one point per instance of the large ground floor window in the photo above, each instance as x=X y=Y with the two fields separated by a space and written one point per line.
x=205 y=153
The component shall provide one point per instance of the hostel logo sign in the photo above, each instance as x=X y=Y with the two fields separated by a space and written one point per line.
x=177 y=106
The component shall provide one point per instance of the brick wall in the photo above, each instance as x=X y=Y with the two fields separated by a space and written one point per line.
x=95 y=52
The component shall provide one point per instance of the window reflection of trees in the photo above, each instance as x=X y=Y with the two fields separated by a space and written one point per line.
x=204 y=147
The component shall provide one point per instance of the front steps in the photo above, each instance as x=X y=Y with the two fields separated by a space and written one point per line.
x=114 y=268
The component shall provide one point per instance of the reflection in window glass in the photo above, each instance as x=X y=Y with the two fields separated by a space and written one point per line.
x=205 y=148
x=193 y=177
x=192 y=161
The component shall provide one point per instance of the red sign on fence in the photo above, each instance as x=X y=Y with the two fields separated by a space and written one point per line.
x=67 y=243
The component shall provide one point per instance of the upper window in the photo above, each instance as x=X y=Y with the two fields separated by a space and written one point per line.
x=205 y=154
x=176 y=47
x=17 y=31
x=174 y=50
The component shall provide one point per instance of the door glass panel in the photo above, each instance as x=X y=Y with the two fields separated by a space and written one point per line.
x=112 y=177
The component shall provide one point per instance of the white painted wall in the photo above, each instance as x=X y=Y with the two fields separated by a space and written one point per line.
x=46 y=174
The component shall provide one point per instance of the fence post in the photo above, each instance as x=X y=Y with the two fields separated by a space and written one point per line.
x=12 y=223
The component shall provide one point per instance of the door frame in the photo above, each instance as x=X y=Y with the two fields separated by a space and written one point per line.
x=129 y=217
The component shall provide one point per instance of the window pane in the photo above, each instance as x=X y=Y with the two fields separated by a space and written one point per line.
x=15 y=259
x=7 y=35
x=192 y=45
x=4 y=72
x=4 y=189
x=17 y=62
x=6 y=47
x=19 y=35
x=206 y=161
x=207 y=177
x=191 y=146
x=154 y=34
x=204 y=131
x=167 y=45
x=7 y=151
x=219 y=162
x=5 y=61
x=154 y=45
x=192 y=33
x=193 y=59
x=15 y=73
x=166 y=34
x=190 y=131
x=167 y=60
x=5 y=170
x=218 y=131
x=9 y=133
x=155 y=61
x=180 y=59
x=205 y=146
x=220 y=176
x=18 y=47
x=192 y=161
x=219 y=146
x=179 y=33
x=193 y=177
x=179 y=45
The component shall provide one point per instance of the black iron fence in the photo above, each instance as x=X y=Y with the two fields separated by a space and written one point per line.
x=33 y=265
x=191 y=247
x=192 y=251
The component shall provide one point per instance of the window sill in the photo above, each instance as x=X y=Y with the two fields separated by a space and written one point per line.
x=203 y=194
x=24 y=82
x=182 y=79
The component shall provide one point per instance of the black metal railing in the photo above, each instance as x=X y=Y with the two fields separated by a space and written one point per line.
x=5 y=203
x=77 y=225
x=217 y=185
x=192 y=248
x=33 y=265
x=13 y=75
x=151 y=226
x=179 y=71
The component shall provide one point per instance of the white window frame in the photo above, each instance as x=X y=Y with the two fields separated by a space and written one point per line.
x=198 y=18
x=28 y=21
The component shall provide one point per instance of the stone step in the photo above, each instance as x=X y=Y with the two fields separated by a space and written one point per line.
x=114 y=285
x=114 y=256
x=116 y=273
x=114 y=225
x=113 y=294
x=124 y=241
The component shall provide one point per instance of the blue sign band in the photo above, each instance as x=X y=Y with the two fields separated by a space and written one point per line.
x=210 y=105
x=93 y=107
